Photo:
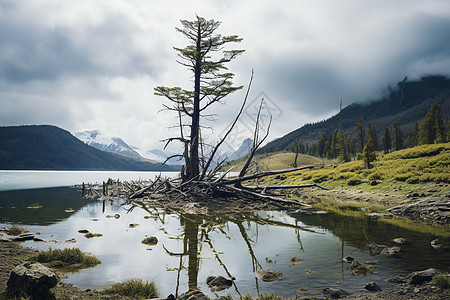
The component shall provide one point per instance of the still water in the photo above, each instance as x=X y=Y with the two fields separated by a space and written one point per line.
x=192 y=247
x=15 y=180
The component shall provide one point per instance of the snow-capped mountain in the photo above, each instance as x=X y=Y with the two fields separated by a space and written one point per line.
x=158 y=155
x=242 y=151
x=115 y=145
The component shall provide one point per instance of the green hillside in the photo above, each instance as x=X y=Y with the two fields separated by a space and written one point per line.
x=401 y=171
x=276 y=161
x=407 y=103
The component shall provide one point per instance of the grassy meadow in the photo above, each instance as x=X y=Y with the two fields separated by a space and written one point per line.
x=397 y=171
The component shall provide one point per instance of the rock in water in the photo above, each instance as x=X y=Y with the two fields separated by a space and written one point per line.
x=348 y=259
x=335 y=293
x=218 y=283
x=436 y=244
x=391 y=250
x=399 y=240
x=33 y=279
x=269 y=275
x=376 y=248
x=193 y=295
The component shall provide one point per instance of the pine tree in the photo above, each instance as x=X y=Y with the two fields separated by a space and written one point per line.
x=413 y=136
x=386 y=140
x=206 y=57
x=369 y=153
x=398 y=136
x=432 y=129
x=372 y=132
x=360 y=132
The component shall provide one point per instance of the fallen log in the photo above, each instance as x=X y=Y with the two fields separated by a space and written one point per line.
x=264 y=174
x=276 y=187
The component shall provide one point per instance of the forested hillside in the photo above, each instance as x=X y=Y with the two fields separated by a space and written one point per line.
x=407 y=104
x=49 y=147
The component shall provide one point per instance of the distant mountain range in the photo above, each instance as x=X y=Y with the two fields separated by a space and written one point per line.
x=109 y=144
x=118 y=146
x=407 y=103
x=45 y=147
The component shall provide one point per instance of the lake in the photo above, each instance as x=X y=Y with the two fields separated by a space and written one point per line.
x=306 y=247
x=16 y=180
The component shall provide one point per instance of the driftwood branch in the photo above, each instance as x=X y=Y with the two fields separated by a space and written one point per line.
x=267 y=173
x=277 y=187
x=229 y=130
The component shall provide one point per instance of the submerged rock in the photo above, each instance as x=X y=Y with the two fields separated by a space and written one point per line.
x=334 y=293
x=436 y=244
x=269 y=275
x=33 y=279
x=376 y=249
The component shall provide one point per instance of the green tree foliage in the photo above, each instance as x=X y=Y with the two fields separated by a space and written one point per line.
x=206 y=57
x=413 y=136
x=360 y=132
x=397 y=137
x=432 y=129
x=372 y=133
x=386 y=140
x=369 y=153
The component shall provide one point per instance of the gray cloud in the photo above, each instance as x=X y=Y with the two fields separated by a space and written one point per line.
x=93 y=64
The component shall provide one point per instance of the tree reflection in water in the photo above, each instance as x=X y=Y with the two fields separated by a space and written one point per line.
x=196 y=235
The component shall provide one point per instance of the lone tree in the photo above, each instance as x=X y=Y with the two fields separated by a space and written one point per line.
x=206 y=57
x=212 y=83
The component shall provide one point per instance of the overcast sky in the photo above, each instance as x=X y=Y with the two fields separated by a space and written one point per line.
x=85 y=65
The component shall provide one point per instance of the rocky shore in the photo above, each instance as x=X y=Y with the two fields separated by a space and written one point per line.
x=417 y=285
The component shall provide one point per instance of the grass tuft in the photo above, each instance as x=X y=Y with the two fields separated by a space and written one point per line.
x=16 y=230
x=441 y=281
x=69 y=259
x=134 y=288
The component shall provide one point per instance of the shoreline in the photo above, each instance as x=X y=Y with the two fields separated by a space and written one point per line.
x=13 y=253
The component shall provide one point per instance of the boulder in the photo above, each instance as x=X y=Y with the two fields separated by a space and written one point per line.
x=376 y=248
x=31 y=279
x=423 y=276
x=373 y=287
x=269 y=275
x=391 y=250
x=218 y=283
x=399 y=240
x=335 y=293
